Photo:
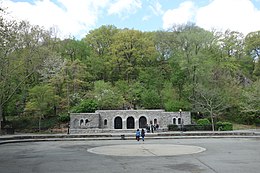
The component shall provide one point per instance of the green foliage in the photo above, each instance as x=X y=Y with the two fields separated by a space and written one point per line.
x=215 y=73
x=173 y=127
x=64 y=118
x=30 y=123
x=106 y=96
x=203 y=121
x=195 y=127
x=250 y=102
x=150 y=99
x=85 y=106
x=224 y=126
x=41 y=99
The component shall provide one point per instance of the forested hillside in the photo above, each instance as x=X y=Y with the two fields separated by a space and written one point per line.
x=207 y=72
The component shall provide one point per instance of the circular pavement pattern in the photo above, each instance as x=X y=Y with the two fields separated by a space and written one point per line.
x=147 y=150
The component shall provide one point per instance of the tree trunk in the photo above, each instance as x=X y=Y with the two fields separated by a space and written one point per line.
x=1 y=118
x=212 y=121
x=40 y=117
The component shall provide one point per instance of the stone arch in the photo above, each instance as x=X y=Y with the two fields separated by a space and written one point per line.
x=174 y=120
x=118 y=123
x=142 y=122
x=81 y=122
x=86 y=121
x=179 y=120
x=155 y=121
x=105 y=122
x=130 y=123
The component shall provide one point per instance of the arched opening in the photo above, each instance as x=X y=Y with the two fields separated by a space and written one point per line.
x=142 y=122
x=130 y=123
x=155 y=121
x=118 y=123
x=174 y=121
x=105 y=122
x=179 y=120
x=86 y=121
x=81 y=122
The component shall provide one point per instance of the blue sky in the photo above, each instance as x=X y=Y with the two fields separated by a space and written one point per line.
x=77 y=17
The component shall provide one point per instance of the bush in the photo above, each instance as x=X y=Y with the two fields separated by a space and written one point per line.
x=203 y=121
x=64 y=118
x=224 y=126
x=194 y=127
x=173 y=127
x=86 y=106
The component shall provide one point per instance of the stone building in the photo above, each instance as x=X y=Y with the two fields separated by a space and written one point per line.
x=127 y=120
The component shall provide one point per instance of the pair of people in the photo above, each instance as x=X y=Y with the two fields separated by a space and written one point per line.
x=138 y=134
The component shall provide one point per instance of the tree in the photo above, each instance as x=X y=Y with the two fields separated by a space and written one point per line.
x=131 y=51
x=106 y=96
x=72 y=49
x=41 y=100
x=252 y=42
x=209 y=100
x=150 y=99
x=22 y=51
x=100 y=40
x=85 y=106
x=189 y=42
x=252 y=48
x=251 y=99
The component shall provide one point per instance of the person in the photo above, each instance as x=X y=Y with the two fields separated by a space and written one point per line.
x=143 y=134
x=157 y=126
x=137 y=134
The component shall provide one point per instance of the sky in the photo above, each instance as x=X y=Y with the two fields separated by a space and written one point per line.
x=75 y=18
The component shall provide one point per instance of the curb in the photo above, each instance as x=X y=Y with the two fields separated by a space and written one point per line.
x=125 y=136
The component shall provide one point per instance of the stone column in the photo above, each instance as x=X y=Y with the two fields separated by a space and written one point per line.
x=136 y=123
x=123 y=123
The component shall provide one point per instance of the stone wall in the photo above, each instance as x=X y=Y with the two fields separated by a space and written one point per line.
x=84 y=120
x=125 y=119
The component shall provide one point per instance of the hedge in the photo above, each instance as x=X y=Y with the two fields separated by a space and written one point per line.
x=224 y=126
x=220 y=126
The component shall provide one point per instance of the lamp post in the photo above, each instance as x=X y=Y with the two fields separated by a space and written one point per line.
x=181 y=119
x=68 y=130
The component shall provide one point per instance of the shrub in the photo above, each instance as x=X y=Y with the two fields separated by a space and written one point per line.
x=224 y=126
x=195 y=127
x=64 y=118
x=173 y=127
x=203 y=121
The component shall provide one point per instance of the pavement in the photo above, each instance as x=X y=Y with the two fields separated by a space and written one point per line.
x=177 y=155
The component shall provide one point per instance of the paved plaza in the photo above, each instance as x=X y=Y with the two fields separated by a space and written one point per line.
x=220 y=155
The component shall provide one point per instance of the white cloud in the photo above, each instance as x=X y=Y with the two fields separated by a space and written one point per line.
x=124 y=7
x=181 y=15
x=70 y=19
x=156 y=8
x=239 y=15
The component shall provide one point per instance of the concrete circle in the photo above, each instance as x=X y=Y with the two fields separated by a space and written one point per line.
x=146 y=150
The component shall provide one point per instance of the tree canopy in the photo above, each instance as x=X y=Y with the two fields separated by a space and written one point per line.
x=189 y=68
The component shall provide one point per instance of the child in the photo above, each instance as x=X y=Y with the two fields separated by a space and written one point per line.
x=137 y=135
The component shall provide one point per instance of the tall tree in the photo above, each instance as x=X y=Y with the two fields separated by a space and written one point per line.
x=190 y=42
x=100 y=40
x=252 y=47
x=41 y=100
x=131 y=50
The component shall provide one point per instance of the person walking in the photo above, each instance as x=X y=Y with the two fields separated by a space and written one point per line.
x=143 y=134
x=137 y=134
